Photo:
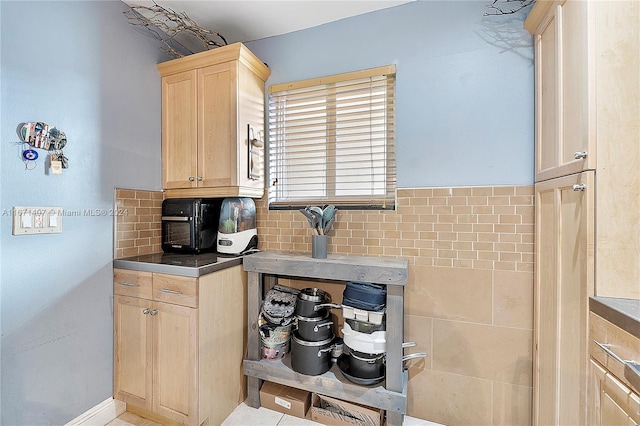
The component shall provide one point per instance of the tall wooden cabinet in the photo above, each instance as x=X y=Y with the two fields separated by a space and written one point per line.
x=213 y=124
x=564 y=282
x=179 y=344
x=587 y=172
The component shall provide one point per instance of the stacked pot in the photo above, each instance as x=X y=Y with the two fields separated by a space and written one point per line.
x=276 y=320
x=312 y=340
x=364 y=332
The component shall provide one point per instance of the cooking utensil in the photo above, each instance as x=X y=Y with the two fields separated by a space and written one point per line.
x=363 y=368
x=328 y=226
x=315 y=329
x=327 y=214
x=317 y=219
x=366 y=366
x=312 y=303
x=310 y=218
x=343 y=365
x=310 y=358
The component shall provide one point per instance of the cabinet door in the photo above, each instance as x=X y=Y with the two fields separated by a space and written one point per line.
x=611 y=402
x=217 y=115
x=562 y=49
x=563 y=284
x=222 y=341
x=132 y=368
x=179 y=131
x=619 y=405
x=174 y=361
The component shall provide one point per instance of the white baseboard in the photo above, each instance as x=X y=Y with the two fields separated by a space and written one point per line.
x=101 y=414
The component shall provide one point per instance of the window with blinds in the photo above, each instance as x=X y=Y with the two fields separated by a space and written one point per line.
x=332 y=141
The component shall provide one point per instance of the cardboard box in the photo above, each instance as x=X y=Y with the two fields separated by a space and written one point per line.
x=285 y=399
x=335 y=412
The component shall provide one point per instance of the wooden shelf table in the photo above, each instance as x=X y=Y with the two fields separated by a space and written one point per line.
x=265 y=267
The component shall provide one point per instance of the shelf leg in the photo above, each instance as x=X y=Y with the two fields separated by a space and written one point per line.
x=394 y=419
x=395 y=321
x=253 y=392
x=254 y=298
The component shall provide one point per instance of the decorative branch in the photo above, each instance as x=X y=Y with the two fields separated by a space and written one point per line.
x=497 y=6
x=173 y=29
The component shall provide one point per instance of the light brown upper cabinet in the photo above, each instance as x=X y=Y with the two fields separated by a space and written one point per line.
x=563 y=49
x=213 y=124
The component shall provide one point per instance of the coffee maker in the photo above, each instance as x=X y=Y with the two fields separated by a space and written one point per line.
x=237 y=231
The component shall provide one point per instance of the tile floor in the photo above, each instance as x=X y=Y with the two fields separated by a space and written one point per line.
x=244 y=415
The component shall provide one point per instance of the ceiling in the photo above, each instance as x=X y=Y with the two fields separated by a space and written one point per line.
x=248 y=20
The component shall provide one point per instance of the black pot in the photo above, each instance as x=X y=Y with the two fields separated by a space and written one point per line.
x=310 y=358
x=366 y=366
x=315 y=329
x=313 y=303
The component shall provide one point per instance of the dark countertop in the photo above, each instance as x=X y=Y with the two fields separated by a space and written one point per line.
x=624 y=313
x=186 y=265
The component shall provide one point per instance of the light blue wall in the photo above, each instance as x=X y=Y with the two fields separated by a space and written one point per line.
x=464 y=85
x=464 y=117
x=80 y=66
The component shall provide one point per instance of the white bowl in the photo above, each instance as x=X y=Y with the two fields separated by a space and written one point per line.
x=374 y=343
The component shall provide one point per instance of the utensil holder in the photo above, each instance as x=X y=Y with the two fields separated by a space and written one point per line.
x=319 y=246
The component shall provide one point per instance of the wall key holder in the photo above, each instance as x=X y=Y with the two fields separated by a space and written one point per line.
x=42 y=136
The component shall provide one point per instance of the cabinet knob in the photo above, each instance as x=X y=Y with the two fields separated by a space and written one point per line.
x=153 y=313
x=580 y=155
x=579 y=187
x=146 y=311
x=199 y=179
x=191 y=178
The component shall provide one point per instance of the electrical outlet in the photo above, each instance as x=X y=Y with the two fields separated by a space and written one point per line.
x=37 y=220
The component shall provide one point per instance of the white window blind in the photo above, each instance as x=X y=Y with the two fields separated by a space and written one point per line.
x=332 y=141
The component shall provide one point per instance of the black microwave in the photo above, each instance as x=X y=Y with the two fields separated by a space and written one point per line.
x=190 y=225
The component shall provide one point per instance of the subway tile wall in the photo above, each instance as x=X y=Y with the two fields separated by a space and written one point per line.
x=469 y=299
x=138 y=229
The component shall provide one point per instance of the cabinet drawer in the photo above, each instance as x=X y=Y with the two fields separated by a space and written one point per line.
x=623 y=344
x=132 y=283
x=619 y=398
x=175 y=289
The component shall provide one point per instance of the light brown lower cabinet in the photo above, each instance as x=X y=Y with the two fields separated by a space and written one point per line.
x=612 y=399
x=611 y=403
x=179 y=360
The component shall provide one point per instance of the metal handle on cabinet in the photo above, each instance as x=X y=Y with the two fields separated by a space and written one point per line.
x=167 y=290
x=199 y=178
x=631 y=368
x=579 y=187
x=154 y=312
x=128 y=284
x=191 y=178
x=580 y=155
x=146 y=311
x=605 y=347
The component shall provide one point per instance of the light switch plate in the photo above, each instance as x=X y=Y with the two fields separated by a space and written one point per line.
x=37 y=220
